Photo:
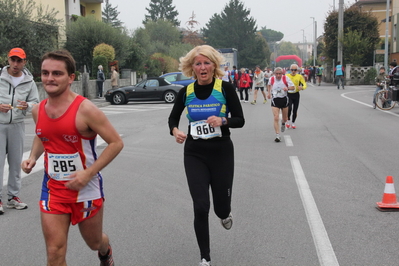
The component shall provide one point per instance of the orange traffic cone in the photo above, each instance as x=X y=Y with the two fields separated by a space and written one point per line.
x=389 y=202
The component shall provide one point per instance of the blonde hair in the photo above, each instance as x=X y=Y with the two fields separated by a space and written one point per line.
x=186 y=62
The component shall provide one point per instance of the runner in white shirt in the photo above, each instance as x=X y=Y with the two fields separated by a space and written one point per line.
x=226 y=76
x=277 y=89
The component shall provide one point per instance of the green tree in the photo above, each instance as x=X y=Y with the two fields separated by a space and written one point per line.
x=157 y=37
x=179 y=49
x=287 y=48
x=110 y=15
x=105 y=50
x=86 y=33
x=270 y=35
x=159 y=63
x=162 y=10
x=36 y=34
x=356 y=45
x=364 y=23
x=234 y=28
x=136 y=56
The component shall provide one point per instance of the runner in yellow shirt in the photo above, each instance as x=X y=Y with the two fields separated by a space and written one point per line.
x=294 y=96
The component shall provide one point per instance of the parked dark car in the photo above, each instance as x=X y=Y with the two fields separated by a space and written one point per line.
x=178 y=78
x=151 y=89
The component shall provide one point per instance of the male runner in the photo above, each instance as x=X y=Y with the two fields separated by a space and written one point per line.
x=72 y=192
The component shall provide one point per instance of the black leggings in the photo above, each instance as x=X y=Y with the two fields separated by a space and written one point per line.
x=209 y=163
x=246 y=93
x=293 y=105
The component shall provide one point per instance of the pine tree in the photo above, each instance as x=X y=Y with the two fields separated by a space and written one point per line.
x=234 y=28
x=110 y=15
x=162 y=9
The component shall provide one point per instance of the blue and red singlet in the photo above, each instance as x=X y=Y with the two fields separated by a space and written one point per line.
x=66 y=151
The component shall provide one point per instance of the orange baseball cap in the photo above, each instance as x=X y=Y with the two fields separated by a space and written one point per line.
x=18 y=52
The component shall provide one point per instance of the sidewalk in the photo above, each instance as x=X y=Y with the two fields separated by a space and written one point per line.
x=100 y=102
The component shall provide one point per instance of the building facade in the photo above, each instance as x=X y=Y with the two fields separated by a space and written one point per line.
x=68 y=10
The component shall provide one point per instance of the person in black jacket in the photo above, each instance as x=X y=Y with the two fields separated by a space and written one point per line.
x=100 y=81
x=212 y=109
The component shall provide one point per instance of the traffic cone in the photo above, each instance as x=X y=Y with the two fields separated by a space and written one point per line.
x=389 y=202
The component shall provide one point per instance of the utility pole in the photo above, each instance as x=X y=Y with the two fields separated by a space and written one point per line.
x=303 y=47
x=340 y=29
x=315 y=41
x=387 y=23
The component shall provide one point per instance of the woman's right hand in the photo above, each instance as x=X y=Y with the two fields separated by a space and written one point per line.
x=179 y=135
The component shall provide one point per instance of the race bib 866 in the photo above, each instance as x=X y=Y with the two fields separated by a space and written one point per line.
x=202 y=130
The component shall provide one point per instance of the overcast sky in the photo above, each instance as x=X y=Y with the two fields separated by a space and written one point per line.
x=287 y=16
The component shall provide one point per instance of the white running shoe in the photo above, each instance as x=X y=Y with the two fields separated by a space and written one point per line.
x=282 y=127
x=228 y=222
x=1 y=208
x=204 y=263
x=16 y=203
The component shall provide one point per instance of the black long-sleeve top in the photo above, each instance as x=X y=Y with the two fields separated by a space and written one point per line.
x=235 y=118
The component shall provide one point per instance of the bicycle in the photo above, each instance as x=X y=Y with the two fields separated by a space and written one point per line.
x=383 y=98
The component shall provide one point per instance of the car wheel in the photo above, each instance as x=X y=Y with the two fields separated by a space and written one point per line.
x=170 y=96
x=118 y=98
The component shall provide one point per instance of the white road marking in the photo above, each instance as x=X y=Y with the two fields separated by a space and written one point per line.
x=120 y=109
x=346 y=97
x=288 y=141
x=321 y=240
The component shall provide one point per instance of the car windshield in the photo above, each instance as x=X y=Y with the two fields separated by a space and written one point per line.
x=184 y=77
x=167 y=81
x=141 y=83
x=170 y=78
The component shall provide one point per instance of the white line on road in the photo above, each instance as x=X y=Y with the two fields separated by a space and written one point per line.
x=346 y=97
x=322 y=242
x=288 y=141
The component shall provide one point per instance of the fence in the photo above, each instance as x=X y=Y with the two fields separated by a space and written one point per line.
x=354 y=75
x=88 y=88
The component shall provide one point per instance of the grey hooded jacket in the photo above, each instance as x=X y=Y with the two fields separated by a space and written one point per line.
x=26 y=91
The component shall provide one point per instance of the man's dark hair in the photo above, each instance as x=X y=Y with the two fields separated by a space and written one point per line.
x=62 y=55
x=394 y=64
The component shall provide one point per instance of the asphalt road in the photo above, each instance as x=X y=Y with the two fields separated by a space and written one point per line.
x=308 y=200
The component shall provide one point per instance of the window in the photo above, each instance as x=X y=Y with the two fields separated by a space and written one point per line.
x=171 y=78
x=182 y=77
x=152 y=83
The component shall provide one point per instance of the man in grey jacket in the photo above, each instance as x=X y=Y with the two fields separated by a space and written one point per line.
x=18 y=94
